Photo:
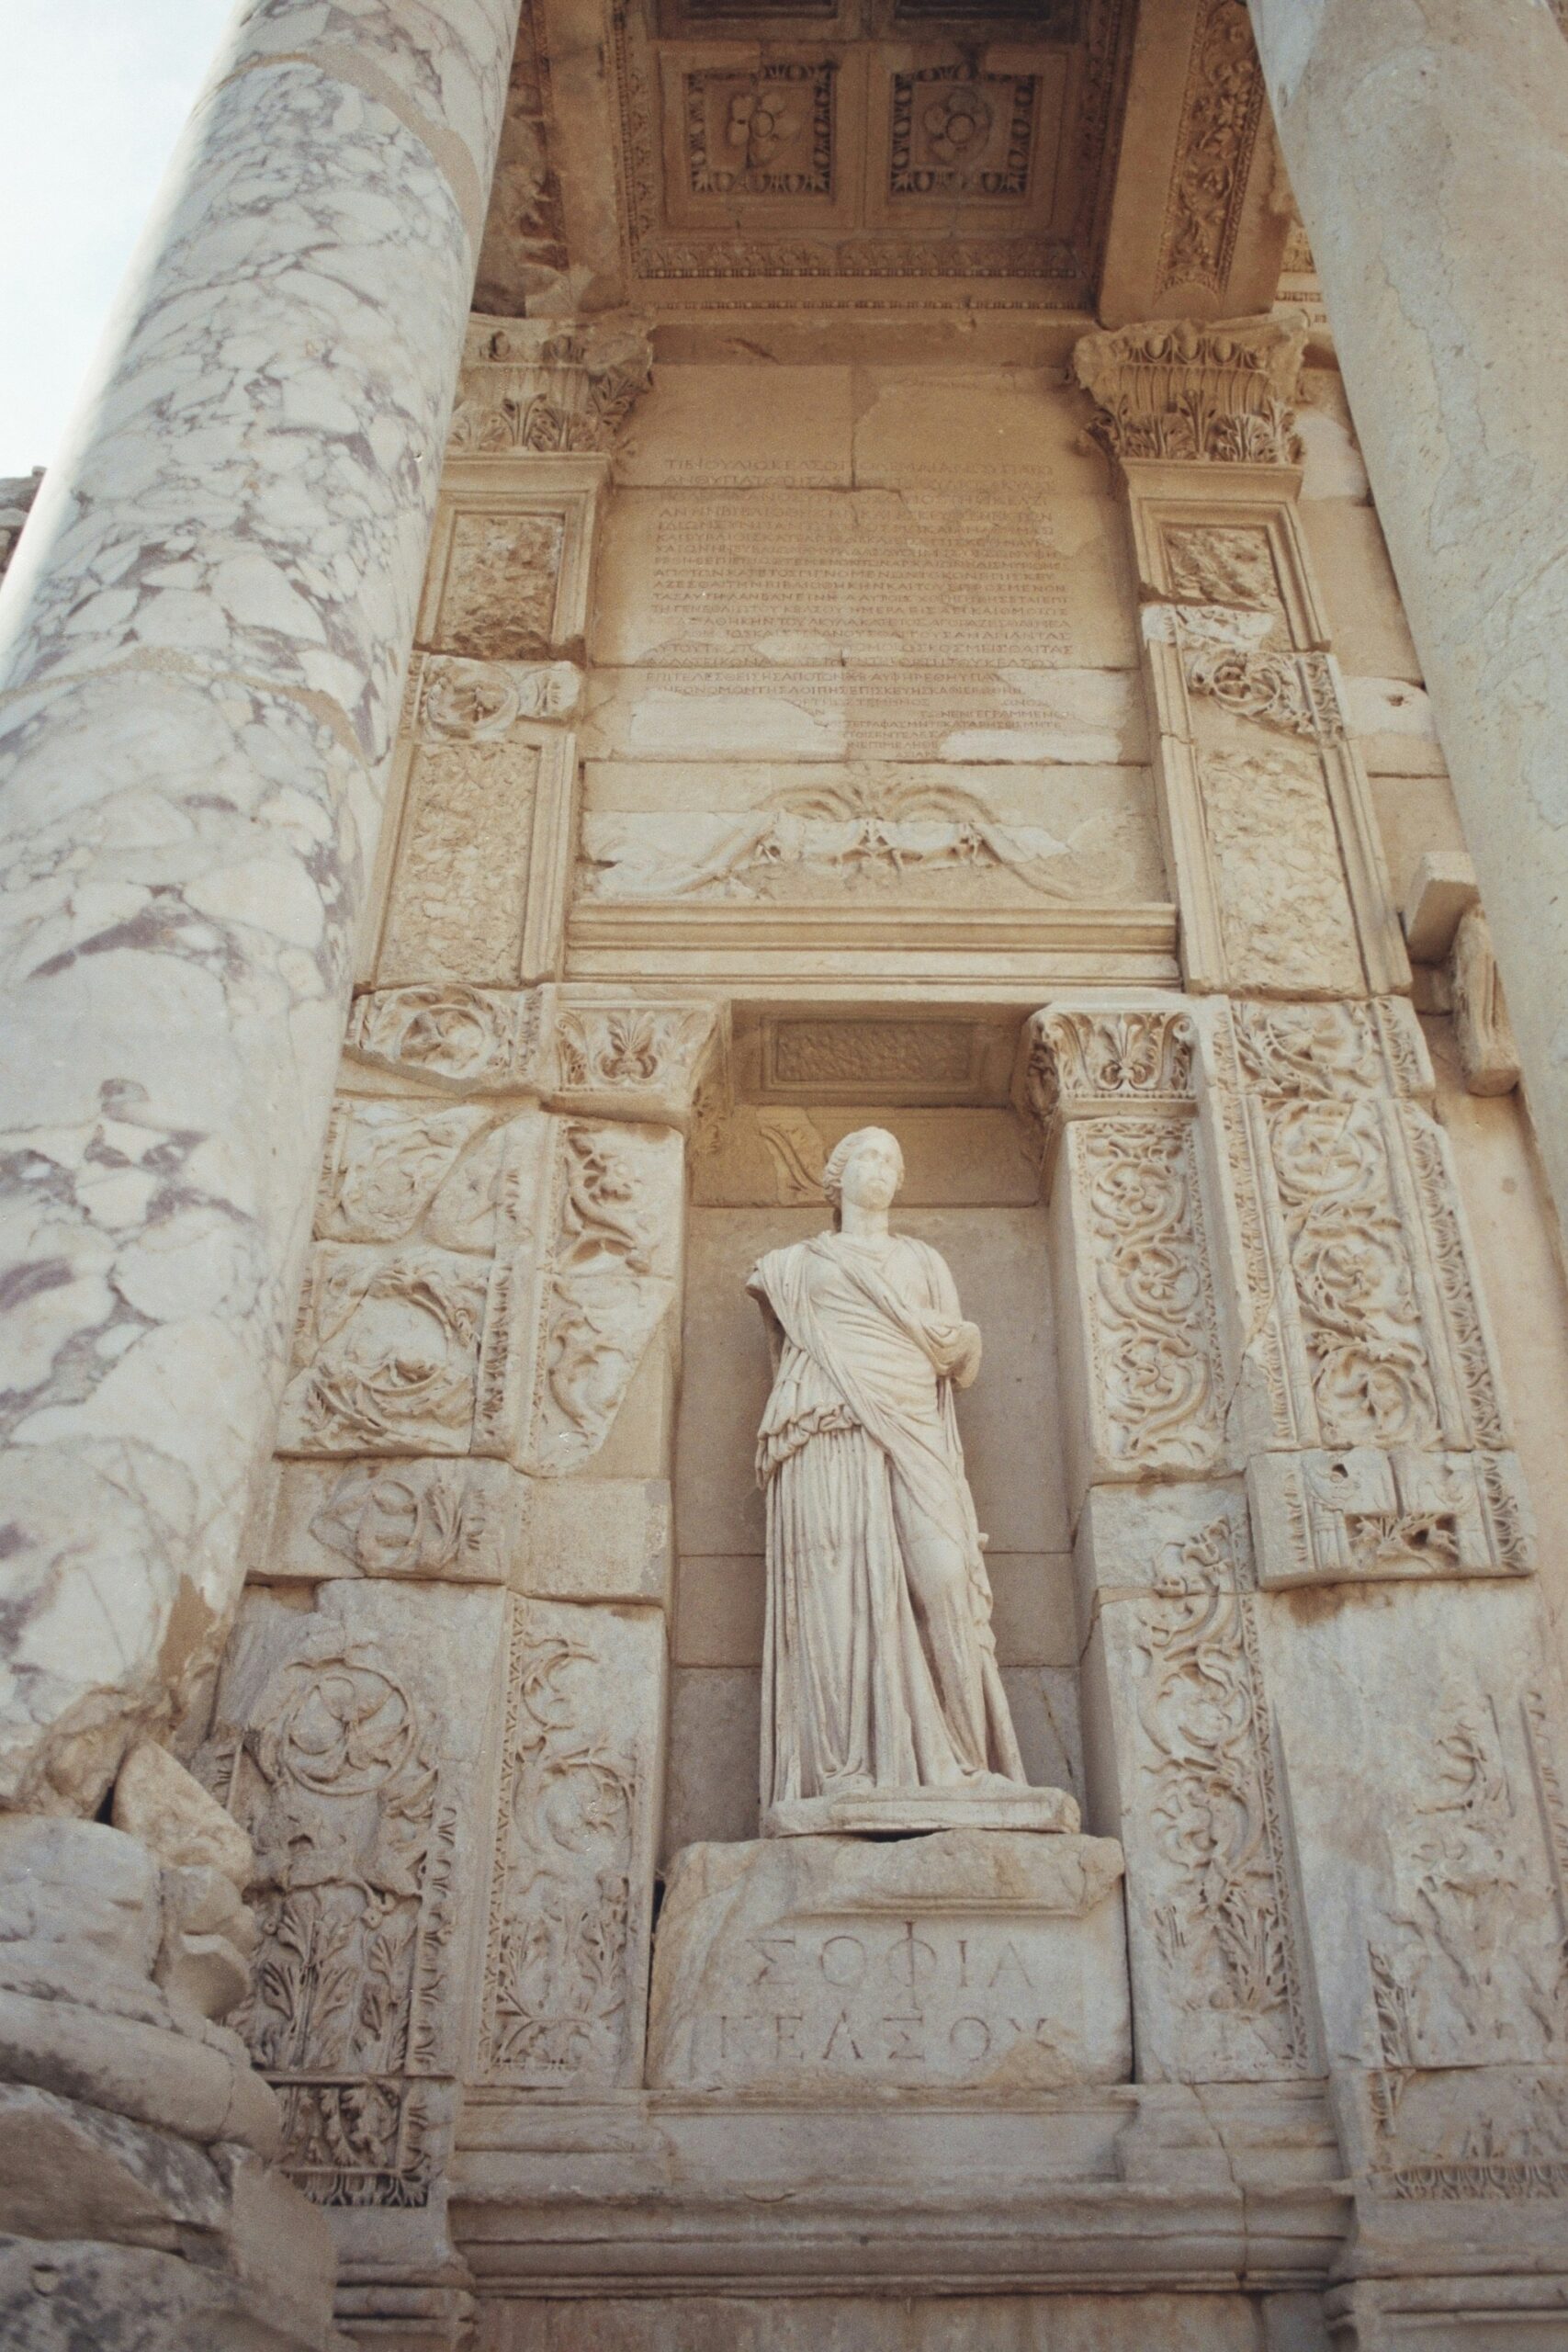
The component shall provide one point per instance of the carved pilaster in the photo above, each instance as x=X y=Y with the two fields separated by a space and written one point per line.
x=1266 y=815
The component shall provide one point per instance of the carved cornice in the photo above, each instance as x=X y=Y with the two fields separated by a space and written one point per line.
x=542 y=387
x=1221 y=393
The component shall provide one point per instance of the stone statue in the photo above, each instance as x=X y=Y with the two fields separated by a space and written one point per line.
x=882 y=1702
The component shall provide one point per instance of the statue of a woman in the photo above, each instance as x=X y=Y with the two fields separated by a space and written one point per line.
x=879 y=1671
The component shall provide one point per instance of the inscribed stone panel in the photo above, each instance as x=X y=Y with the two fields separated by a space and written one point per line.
x=801 y=1965
x=1019 y=835
x=1071 y=717
x=728 y=427
x=460 y=883
x=713 y=578
x=1008 y=427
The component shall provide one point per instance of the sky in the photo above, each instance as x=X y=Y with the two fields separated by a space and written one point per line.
x=96 y=92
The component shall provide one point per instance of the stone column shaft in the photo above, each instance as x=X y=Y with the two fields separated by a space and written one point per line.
x=202 y=649
x=1427 y=143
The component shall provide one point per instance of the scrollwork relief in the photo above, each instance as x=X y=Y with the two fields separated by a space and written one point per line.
x=1224 y=1928
x=1151 y=1312
x=1365 y=1343
x=567 y=1912
x=452 y=1036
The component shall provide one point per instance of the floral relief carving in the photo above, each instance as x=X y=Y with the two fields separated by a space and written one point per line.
x=1467 y=1334
x=335 y=1778
x=1221 y=110
x=1362 y=1330
x=1372 y=1513
x=1223 y=566
x=460 y=886
x=1311 y=1051
x=567 y=1915
x=1468 y=1964
x=608 y=1286
x=763 y=133
x=1285 y=910
x=633 y=1049
x=499 y=601
x=1222 y=1929
x=958 y=133
x=391 y=1349
x=451 y=1034
x=1151 y=1311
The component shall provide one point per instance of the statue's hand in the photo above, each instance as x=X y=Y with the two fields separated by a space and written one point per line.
x=956 y=1349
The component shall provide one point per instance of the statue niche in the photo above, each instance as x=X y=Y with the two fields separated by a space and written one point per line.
x=883 y=1705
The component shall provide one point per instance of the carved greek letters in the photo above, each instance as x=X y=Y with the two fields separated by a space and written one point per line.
x=971 y=1959
x=567 y=1950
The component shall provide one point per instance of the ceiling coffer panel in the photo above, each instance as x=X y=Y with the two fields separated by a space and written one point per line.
x=865 y=150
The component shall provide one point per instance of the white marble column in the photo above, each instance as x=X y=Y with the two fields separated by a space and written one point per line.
x=202 y=647
x=1428 y=142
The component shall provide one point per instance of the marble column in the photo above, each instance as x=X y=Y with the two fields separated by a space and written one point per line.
x=1427 y=143
x=202 y=648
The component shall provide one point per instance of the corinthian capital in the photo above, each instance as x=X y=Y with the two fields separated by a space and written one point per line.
x=1221 y=392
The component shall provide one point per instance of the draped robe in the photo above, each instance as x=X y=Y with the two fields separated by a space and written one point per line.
x=879 y=1664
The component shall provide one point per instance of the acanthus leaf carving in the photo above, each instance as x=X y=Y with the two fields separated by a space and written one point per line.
x=1220 y=391
x=547 y=386
x=1078 y=1061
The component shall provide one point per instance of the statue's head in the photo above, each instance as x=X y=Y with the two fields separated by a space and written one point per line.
x=866 y=1169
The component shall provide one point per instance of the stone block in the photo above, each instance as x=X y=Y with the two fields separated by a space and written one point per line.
x=738 y=428
x=596 y=1539
x=454 y=1521
x=807 y=1967
x=68 y=2170
x=159 y=1802
x=60 y=2294
x=713 y=1762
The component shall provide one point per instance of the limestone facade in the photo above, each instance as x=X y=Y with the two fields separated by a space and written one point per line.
x=904 y=638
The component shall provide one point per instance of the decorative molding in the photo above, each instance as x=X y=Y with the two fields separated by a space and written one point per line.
x=1222 y=108
x=543 y=387
x=523 y=253
x=1219 y=392
x=1079 y=1063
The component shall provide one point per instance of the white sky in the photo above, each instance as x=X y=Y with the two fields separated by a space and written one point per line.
x=96 y=92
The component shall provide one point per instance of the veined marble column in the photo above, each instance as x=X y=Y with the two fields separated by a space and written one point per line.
x=1428 y=142
x=202 y=648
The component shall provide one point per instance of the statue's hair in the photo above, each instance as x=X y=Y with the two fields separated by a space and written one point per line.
x=840 y=1156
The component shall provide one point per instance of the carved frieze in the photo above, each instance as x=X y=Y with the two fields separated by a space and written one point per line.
x=479 y=702
x=545 y=387
x=1221 y=393
x=564 y=2000
x=1222 y=108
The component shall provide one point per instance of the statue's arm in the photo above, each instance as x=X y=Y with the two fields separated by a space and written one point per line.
x=960 y=1340
x=759 y=1290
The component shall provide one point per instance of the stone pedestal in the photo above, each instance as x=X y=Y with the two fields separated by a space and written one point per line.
x=966 y=1960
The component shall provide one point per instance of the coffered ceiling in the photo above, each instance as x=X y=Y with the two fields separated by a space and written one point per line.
x=1026 y=155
